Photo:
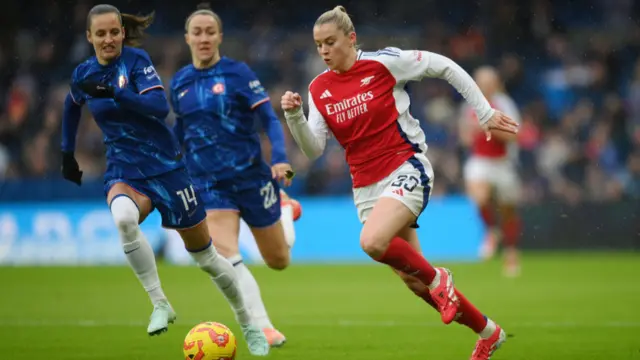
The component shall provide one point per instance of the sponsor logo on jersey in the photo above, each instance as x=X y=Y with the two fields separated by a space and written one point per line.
x=256 y=86
x=150 y=72
x=349 y=108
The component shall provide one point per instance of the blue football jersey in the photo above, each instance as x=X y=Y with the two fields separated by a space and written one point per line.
x=215 y=120
x=139 y=143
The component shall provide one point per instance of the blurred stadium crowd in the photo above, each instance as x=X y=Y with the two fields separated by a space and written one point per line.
x=573 y=68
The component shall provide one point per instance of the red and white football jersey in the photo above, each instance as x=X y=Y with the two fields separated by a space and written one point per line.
x=494 y=148
x=367 y=108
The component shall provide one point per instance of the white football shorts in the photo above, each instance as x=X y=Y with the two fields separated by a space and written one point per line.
x=500 y=173
x=411 y=184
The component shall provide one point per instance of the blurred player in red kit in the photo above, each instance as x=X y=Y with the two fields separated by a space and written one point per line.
x=361 y=100
x=490 y=173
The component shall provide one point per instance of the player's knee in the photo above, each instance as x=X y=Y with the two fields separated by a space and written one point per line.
x=126 y=223
x=277 y=260
x=374 y=246
x=125 y=215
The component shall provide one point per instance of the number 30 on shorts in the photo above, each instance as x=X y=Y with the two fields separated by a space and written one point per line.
x=408 y=182
x=268 y=193
x=188 y=196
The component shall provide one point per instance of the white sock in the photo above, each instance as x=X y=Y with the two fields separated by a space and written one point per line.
x=136 y=247
x=224 y=276
x=488 y=330
x=286 y=218
x=251 y=293
x=436 y=281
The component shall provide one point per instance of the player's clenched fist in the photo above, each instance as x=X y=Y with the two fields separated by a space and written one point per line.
x=291 y=102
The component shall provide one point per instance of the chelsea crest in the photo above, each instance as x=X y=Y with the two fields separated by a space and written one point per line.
x=122 y=81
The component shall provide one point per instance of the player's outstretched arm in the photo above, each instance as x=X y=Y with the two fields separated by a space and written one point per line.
x=439 y=66
x=71 y=114
x=446 y=69
x=151 y=102
x=310 y=135
x=414 y=65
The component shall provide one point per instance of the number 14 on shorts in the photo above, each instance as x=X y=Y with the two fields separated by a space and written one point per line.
x=188 y=196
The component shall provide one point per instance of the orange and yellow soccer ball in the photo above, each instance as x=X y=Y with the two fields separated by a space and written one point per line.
x=210 y=341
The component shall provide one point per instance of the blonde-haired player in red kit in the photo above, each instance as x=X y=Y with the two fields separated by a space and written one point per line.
x=490 y=172
x=361 y=100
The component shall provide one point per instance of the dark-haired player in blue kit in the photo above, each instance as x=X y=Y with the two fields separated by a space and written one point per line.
x=144 y=167
x=216 y=101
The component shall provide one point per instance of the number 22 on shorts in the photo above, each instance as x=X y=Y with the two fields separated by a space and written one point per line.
x=268 y=193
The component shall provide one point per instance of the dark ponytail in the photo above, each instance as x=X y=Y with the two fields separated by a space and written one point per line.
x=134 y=25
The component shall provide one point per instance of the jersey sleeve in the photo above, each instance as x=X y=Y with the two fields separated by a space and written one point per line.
x=250 y=88
x=317 y=122
x=71 y=114
x=144 y=75
x=414 y=65
x=310 y=134
x=77 y=96
x=404 y=65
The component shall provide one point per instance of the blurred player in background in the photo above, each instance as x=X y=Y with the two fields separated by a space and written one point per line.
x=361 y=100
x=144 y=167
x=216 y=100
x=490 y=173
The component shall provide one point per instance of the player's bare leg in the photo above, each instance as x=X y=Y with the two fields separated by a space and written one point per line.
x=129 y=208
x=274 y=249
x=276 y=253
x=272 y=245
x=480 y=193
x=201 y=248
x=511 y=229
x=380 y=241
x=491 y=335
x=224 y=227
x=275 y=242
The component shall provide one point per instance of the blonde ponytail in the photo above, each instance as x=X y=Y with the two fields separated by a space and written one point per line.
x=338 y=16
x=340 y=8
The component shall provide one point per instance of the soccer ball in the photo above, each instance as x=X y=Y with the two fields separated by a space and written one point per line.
x=210 y=341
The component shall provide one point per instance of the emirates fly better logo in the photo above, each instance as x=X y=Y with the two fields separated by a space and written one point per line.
x=349 y=108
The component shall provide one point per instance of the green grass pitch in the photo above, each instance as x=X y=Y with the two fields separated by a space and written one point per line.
x=565 y=306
